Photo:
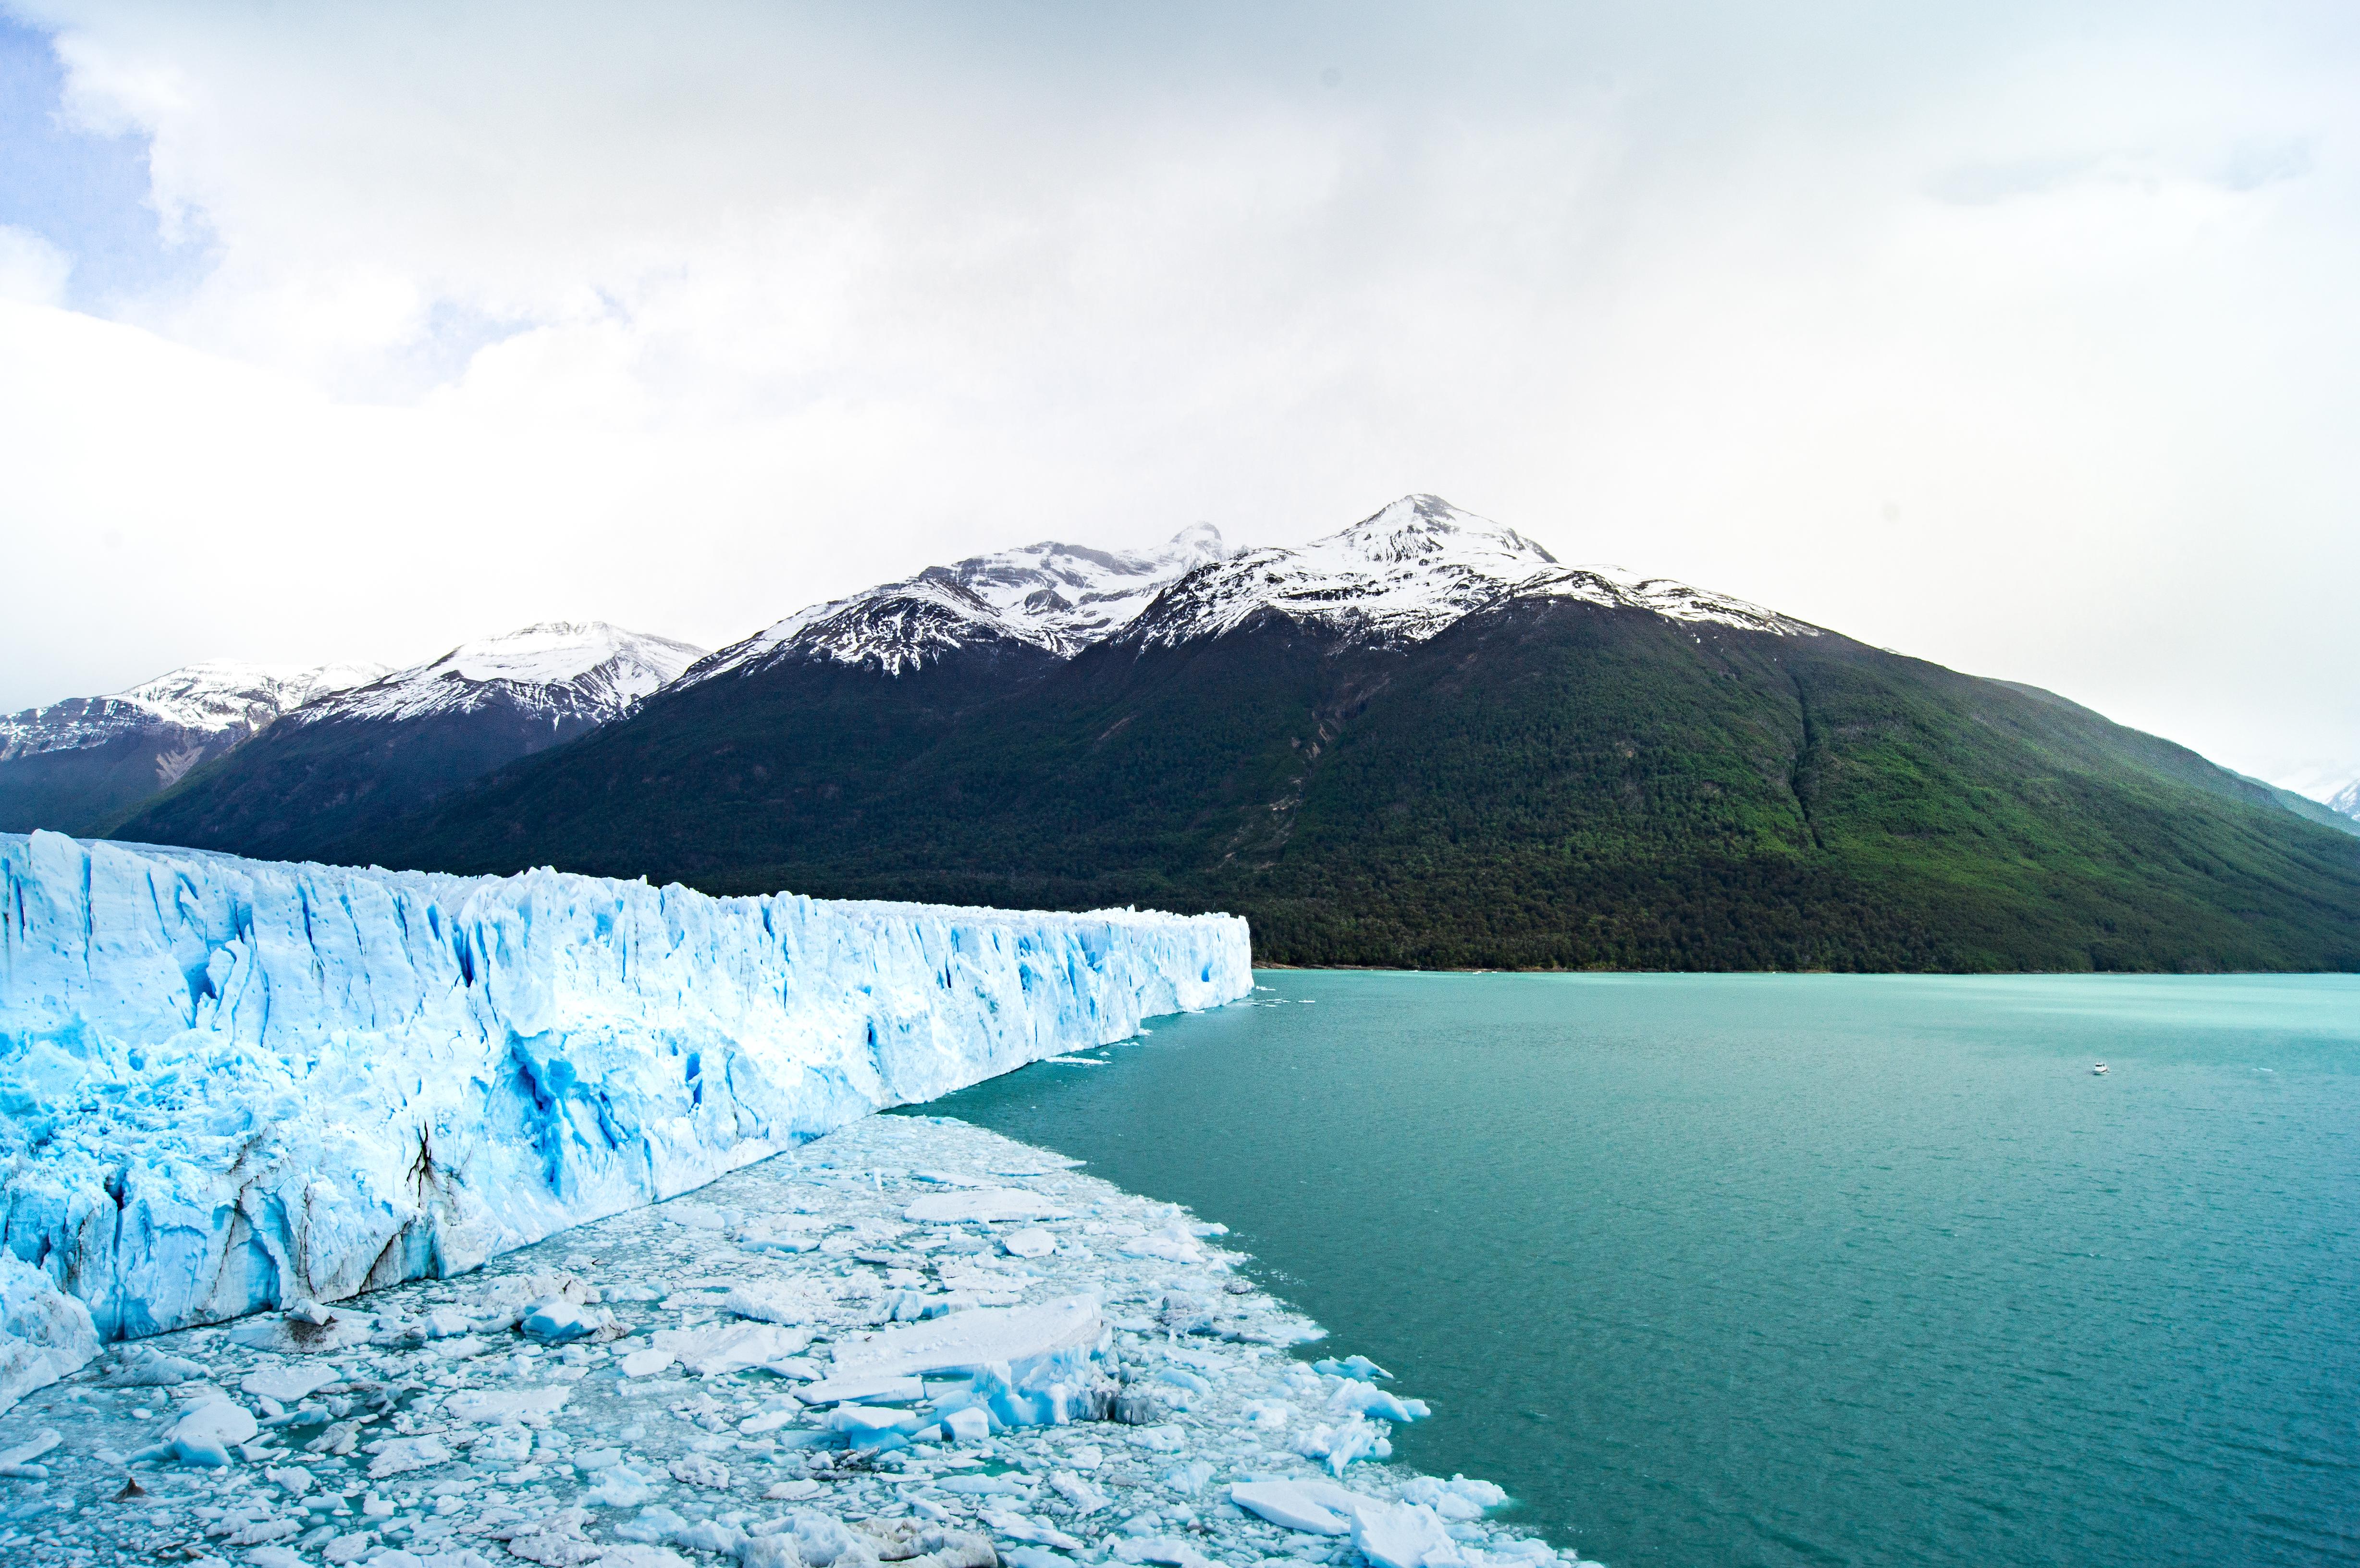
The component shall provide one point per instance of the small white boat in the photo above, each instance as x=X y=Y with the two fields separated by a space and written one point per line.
x=2100 y=1070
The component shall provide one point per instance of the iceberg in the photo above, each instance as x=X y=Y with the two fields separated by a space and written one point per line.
x=229 y=1084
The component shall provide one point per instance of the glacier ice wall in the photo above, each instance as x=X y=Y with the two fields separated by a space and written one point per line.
x=227 y=1084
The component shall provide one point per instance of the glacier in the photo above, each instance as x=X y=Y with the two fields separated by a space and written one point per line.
x=228 y=1084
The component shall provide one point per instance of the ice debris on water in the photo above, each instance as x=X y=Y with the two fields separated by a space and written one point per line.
x=229 y=1084
x=1080 y=1409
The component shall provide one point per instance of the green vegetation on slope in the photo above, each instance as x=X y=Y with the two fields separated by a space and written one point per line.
x=1553 y=784
x=297 y=786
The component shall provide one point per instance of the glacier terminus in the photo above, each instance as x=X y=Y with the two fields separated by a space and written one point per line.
x=229 y=1084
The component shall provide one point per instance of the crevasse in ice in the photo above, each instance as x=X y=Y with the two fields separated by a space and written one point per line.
x=227 y=1084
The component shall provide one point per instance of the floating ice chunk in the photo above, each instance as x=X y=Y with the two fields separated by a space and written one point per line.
x=45 y=1335
x=1018 y=1527
x=1087 y=1497
x=730 y=1347
x=972 y=1341
x=985 y=1486
x=987 y=1204
x=505 y=1404
x=1459 y=1498
x=1034 y=1557
x=556 y=1321
x=865 y=1426
x=507 y=1445
x=1161 y=1549
x=143 y=1367
x=619 y=1487
x=1359 y=1366
x=883 y=1387
x=969 y=1425
x=1174 y=1244
x=1294 y=1504
x=205 y=1434
x=654 y=1523
x=819 y=1539
x=711 y=1535
x=1353 y=1397
x=399 y=1456
x=647 y=1363
x=294 y=1478
x=1340 y=1444
x=1401 y=1535
x=289 y=1385
x=1272 y=1414
x=308 y=1329
x=765 y=1421
x=777 y=1301
x=785 y=1241
x=1189 y=1478
x=1030 y=1242
x=18 y=1463
x=944 y=1179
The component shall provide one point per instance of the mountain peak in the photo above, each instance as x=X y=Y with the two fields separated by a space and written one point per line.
x=1053 y=596
x=1405 y=572
x=1429 y=528
x=591 y=668
x=222 y=698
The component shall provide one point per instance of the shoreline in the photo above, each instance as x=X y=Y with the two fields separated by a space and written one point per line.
x=625 y=1392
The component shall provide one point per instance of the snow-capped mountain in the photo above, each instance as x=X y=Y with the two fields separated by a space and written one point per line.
x=1406 y=574
x=1424 y=741
x=1395 y=578
x=69 y=764
x=585 y=669
x=366 y=755
x=1059 y=598
x=2347 y=801
x=215 y=700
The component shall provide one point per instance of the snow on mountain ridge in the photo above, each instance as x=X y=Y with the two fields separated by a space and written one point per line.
x=589 y=668
x=1405 y=573
x=208 y=699
x=2347 y=801
x=1056 y=597
x=1400 y=575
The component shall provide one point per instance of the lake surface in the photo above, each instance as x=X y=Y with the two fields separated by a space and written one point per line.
x=1801 y=1270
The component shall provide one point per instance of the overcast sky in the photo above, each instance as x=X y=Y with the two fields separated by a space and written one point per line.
x=2019 y=337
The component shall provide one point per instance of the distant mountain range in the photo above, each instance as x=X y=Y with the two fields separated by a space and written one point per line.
x=78 y=765
x=1420 y=741
x=276 y=763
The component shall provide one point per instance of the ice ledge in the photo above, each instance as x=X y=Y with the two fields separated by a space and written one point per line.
x=227 y=1084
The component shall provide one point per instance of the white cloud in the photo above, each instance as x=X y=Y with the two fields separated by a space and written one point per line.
x=684 y=316
x=32 y=270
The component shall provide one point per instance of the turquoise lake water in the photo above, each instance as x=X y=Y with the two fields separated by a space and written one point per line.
x=1801 y=1270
